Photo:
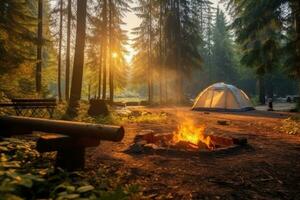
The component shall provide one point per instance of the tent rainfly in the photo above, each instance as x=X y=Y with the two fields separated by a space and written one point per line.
x=222 y=97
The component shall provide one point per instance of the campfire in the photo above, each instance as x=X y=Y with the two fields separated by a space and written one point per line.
x=188 y=136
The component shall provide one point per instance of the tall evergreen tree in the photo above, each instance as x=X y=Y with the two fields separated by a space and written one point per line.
x=18 y=46
x=107 y=45
x=76 y=86
x=260 y=39
x=222 y=51
x=179 y=34
x=60 y=50
x=38 y=72
x=68 y=53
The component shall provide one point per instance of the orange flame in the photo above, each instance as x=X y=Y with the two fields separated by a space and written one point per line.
x=194 y=135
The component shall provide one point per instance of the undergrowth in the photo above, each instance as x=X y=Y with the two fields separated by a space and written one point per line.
x=291 y=125
x=25 y=174
x=117 y=116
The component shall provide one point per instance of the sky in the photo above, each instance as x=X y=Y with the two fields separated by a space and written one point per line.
x=133 y=21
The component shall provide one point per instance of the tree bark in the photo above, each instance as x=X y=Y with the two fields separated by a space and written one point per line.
x=165 y=60
x=39 y=48
x=100 y=74
x=179 y=71
x=59 y=51
x=111 y=63
x=67 y=78
x=79 y=55
x=104 y=44
x=297 y=24
x=160 y=54
x=150 y=73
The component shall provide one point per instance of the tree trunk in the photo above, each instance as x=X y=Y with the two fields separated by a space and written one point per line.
x=67 y=79
x=150 y=81
x=165 y=60
x=104 y=44
x=179 y=72
x=297 y=28
x=261 y=90
x=79 y=56
x=100 y=74
x=111 y=63
x=59 y=51
x=160 y=54
x=89 y=91
x=297 y=24
x=270 y=87
x=39 y=48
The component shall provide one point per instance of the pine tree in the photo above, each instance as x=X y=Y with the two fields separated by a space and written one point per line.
x=260 y=39
x=107 y=46
x=167 y=31
x=18 y=45
x=38 y=77
x=222 y=51
x=76 y=86
x=16 y=36
x=68 y=53
x=60 y=50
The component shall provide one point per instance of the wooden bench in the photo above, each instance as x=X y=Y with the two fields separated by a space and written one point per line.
x=69 y=139
x=37 y=107
x=70 y=151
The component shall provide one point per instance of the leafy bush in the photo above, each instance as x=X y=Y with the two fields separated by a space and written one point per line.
x=255 y=100
x=25 y=174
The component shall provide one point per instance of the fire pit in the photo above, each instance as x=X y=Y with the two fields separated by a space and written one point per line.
x=188 y=137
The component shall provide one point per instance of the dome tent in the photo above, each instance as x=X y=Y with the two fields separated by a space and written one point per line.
x=222 y=97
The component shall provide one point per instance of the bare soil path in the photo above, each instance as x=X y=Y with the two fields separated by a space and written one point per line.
x=269 y=168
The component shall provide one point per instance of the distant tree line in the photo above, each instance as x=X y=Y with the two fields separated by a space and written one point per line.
x=268 y=33
x=255 y=51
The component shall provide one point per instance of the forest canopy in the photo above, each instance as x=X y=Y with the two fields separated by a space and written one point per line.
x=77 y=50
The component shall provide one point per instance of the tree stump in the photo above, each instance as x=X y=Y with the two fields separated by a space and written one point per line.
x=98 y=107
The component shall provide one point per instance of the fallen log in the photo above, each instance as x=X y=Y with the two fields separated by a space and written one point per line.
x=69 y=139
x=12 y=125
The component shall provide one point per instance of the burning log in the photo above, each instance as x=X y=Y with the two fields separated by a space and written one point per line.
x=209 y=142
x=222 y=141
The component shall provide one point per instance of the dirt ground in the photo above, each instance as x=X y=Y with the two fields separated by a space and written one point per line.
x=268 y=168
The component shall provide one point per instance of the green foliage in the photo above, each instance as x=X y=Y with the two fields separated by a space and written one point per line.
x=25 y=174
x=102 y=43
x=255 y=100
x=269 y=43
x=117 y=117
x=16 y=33
x=138 y=117
x=18 y=25
x=223 y=66
x=167 y=45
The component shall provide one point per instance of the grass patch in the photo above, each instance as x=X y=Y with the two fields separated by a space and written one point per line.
x=139 y=117
x=116 y=117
